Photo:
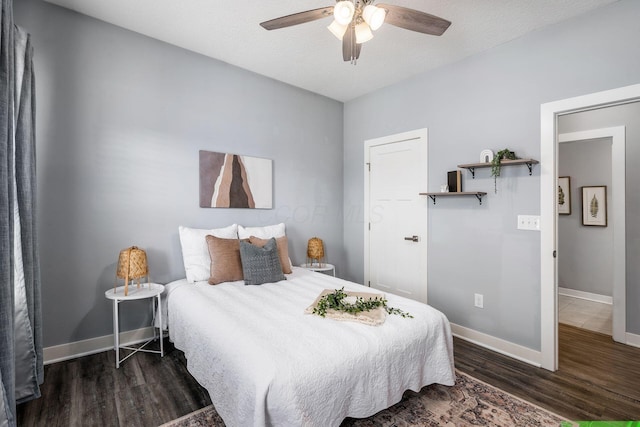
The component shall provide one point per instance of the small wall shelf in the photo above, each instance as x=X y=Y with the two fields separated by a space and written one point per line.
x=472 y=166
x=478 y=195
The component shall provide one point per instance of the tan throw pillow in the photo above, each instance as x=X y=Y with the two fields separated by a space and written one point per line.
x=225 y=260
x=283 y=250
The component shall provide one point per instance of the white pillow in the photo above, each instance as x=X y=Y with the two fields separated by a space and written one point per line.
x=195 y=253
x=266 y=232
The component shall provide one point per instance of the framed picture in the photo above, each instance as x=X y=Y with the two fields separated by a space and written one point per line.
x=594 y=205
x=235 y=181
x=564 y=195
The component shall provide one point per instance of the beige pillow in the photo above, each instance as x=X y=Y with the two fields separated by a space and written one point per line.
x=283 y=250
x=225 y=260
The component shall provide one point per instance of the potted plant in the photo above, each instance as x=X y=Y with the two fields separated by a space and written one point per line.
x=495 y=164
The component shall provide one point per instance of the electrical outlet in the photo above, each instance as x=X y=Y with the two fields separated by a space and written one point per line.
x=478 y=300
x=529 y=222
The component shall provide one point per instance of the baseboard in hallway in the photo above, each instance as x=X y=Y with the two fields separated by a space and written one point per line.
x=591 y=315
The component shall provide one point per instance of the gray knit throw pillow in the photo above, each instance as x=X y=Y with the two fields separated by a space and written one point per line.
x=260 y=265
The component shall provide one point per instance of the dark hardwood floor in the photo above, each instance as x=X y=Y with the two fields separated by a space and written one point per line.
x=89 y=391
x=597 y=380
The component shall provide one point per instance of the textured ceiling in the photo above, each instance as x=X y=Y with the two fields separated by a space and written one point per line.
x=309 y=56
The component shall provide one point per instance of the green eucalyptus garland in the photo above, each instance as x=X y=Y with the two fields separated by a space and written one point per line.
x=335 y=301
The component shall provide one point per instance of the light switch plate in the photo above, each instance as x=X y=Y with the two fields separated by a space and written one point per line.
x=478 y=300
x=529 y=222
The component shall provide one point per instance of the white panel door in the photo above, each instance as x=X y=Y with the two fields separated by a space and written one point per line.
x=397 y=243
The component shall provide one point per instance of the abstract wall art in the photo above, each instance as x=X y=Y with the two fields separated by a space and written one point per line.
x=235 y=181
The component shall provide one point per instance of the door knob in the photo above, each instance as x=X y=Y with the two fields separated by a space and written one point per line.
x=412 y=238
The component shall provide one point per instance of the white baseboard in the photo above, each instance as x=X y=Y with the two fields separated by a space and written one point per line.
x=58 y=353
x=633 y=339
x=585 y=295
x=516 y=351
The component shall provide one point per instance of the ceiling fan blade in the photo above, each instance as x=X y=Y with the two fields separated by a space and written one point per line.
x=414 y=20
x=350 y=49
x=347 y=43
x=297 y=18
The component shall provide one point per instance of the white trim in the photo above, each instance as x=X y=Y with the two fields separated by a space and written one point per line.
x=516 y=351
x=574 y=293
x=72 y=350
x=633 y=340
x=420 y=134
x=549 y=113
x=548 y=240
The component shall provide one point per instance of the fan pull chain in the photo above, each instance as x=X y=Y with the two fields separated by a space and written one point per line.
x=354 y=60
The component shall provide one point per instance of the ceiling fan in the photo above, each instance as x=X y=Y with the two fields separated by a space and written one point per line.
x=355 y=19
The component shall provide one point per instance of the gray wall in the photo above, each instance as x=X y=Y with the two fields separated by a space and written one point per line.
x=622 y=115
x=120 y=120
x=585 y=261
x=491 y=100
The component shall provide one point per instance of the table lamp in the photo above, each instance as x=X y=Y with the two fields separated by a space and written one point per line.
x=132 y=264
x=315 y=251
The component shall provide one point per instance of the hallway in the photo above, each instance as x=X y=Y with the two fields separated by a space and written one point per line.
x=585 y=314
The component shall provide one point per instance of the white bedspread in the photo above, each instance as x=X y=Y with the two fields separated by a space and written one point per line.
x=265 y=362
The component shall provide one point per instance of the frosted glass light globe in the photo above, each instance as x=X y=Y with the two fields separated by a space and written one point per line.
x=363 y=33
x=337 y=29
x=343 y=12
x=374 y=16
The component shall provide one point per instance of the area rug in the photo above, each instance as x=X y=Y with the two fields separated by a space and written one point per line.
x=470 y=402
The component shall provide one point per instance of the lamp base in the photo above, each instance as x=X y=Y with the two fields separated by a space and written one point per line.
x=126 y=284
x=315 y=262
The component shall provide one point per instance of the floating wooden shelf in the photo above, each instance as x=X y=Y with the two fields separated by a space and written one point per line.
x=478 y=195
x=472 y=166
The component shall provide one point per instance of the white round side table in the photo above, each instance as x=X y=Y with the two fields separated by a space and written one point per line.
x=146 y=290
x=325 y=267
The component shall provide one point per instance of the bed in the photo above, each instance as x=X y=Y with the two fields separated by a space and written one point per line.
x=266 y=363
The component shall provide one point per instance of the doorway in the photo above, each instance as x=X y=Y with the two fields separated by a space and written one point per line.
x=550 y=113
x=588 y=282
x=395 y=244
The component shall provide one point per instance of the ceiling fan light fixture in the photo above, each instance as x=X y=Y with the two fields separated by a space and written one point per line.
x=337 y=29
x=374 y=16
x=355 y=20
x=343 y=12
x=363 y=33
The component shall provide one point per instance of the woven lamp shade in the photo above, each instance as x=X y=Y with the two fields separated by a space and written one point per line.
x=315 y=251
x=132 y=264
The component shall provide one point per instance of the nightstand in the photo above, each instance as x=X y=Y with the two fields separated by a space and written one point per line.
x=146 y=290
x=325 y=267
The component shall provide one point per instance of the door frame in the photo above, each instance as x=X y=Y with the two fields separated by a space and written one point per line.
x=419 y=134
x=618 y=219
x=549 y=113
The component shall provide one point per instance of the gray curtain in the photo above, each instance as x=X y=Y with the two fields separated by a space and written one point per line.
x=21 y=370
